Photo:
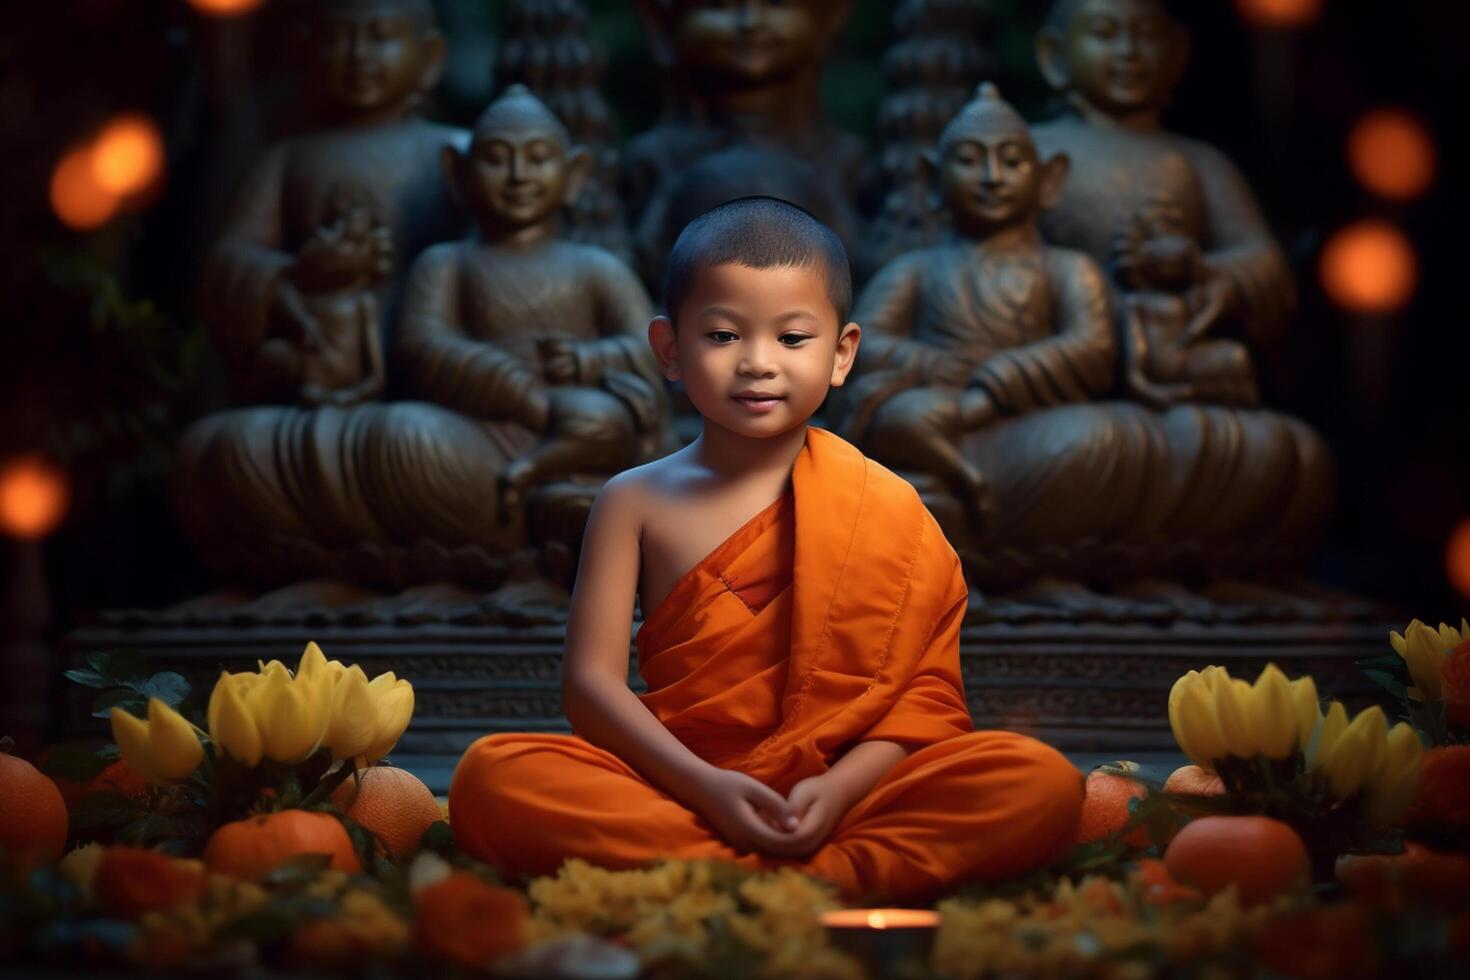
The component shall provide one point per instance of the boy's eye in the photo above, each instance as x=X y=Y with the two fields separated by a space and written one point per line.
x=794 y=339
x=721 y=336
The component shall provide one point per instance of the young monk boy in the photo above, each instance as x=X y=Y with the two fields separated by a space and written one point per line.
x=800 y=639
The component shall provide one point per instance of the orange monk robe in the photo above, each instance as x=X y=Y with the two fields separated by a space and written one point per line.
x=832 y=617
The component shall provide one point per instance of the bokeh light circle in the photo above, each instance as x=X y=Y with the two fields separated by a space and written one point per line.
x=127 y=156
x=1392 y=154
x=1457 y=558
x=33 y=497
x=225 y=8
x=76 y=196
x=1279 y=13
x=1369 y=267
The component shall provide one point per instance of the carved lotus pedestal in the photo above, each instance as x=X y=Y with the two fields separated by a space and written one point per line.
x=482 y=665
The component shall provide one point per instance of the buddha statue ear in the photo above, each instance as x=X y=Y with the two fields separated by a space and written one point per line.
x=1053 y=179
x=453 y=162
x=1180 y=43
x=434 y=54
x=1051 y=58
x=579 y=169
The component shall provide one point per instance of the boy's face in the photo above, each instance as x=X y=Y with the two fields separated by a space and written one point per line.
x=757 y=349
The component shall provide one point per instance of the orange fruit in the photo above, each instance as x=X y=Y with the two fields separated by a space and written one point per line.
x=1105 y=808
x=391 y=803
x=255 y=846
x=33 y=819
x=1420 y=875
x=133 y=880
x=463 y=920
x=1194 y=781
x=1262 y=857
x=1442 y=801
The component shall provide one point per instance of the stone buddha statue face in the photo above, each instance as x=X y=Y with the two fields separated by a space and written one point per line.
x=1117 y=57
x=746 y=43
x=988 y=168
x=372 y=57
x=521 y=167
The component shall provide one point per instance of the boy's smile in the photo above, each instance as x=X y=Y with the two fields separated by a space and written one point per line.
x=757 y=349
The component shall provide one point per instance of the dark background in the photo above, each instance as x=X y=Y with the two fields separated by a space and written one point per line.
x=103 y=359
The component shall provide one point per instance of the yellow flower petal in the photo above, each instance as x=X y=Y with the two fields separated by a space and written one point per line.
x=1272 y=714
x=284 y=713
x=232 y=726
x=312 y=661
x=395 y=709
x=1308 y=709
x=176 y=749
x=354 y=719
x=1196 y=728
x=1232 y=702
x=131 y=736
x=1353 y=760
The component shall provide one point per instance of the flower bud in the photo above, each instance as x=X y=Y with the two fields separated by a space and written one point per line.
x=353 y=725
x=1273 y=715
x=231 y=724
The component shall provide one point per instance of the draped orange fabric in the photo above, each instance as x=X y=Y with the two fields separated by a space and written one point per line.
x=831 y=617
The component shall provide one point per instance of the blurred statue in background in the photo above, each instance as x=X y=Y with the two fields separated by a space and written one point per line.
x=940 y=52
x=981 y=375
x=302 y=283
x=1115 y=63
x=528 y=356
x=544 y=46
x=743 y=74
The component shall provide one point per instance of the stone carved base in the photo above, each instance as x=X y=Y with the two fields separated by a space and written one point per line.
x=482 y=664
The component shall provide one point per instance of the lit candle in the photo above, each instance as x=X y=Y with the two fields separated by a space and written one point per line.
x=884 y=938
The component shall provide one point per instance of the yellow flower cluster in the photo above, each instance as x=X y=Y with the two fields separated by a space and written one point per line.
x=276 y=715
x=1425 y=651
x=666 y=912
x=1094 y=928
x=1216 y=717
x=162 y=750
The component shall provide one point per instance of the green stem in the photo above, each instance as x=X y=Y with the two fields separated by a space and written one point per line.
x=328 y=785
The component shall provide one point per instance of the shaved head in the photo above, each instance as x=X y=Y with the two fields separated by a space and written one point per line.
x=517 y=110
x=986 y=115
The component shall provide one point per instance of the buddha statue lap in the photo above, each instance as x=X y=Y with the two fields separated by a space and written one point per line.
x=984 y=374
x=535 y=380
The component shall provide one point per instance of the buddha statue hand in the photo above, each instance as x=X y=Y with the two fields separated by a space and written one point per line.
x=289 y=313
x=948 y=369
x=350 y=252
x=1158 y=395
x=559 y=363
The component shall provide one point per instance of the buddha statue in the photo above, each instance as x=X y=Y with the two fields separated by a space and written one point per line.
x=534 y=382
x=1115 y=64
x=985 y=376
x=302 y=281
x=745 y=73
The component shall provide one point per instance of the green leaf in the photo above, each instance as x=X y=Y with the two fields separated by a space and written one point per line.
x=439 y=838
x=1387 y=681
x=119 y=697
x=76 y=765
x=88 y=678
x=167 y=686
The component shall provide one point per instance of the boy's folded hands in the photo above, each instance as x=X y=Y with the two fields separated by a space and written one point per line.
x=751 y=816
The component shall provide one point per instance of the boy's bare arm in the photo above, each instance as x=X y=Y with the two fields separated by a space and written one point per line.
x=604 y=711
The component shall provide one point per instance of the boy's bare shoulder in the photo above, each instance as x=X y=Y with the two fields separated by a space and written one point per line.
x=634 y=493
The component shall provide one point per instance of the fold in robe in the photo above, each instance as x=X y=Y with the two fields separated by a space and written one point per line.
x=829 y=618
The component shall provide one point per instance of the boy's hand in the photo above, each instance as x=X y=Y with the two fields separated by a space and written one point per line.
x=816 y=805
x=745 y=811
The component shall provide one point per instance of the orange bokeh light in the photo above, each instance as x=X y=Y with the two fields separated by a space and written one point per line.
x=1392 y=154
x=1369 y=267
x=225 y=8
x=1279 y=13
x=1457 y=559
x=76 y=196
x=33 y=497
x=127 y=155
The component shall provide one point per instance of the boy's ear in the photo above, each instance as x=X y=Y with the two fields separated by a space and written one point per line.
x=451 y=160
x=847 y=348
x=665 y=346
